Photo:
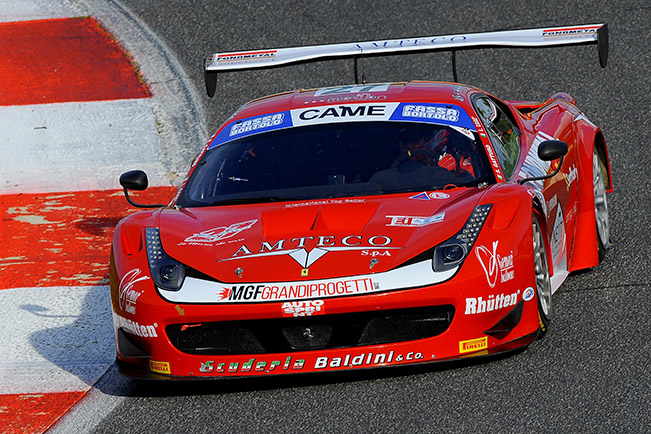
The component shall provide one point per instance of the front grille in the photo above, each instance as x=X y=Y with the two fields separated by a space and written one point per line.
x=319 y=332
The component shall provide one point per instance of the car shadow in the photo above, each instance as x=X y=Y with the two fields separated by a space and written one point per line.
x=74 y=334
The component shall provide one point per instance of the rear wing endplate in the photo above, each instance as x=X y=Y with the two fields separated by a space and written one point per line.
x=542 y=37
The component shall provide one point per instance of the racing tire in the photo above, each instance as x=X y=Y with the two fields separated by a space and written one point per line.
x=599 y=176
x=543 y=281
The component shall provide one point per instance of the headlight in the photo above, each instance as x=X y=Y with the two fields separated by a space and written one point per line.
x=453 y=251
x=166 y=272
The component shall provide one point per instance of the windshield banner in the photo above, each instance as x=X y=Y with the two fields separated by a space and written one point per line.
x=442 y=114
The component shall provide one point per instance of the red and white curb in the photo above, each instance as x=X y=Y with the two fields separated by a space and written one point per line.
x=74 y=114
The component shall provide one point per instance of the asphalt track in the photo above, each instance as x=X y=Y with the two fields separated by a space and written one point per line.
x=591 y=372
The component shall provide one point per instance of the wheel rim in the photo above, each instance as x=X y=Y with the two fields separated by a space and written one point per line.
x=600 y=203
x=543 y=284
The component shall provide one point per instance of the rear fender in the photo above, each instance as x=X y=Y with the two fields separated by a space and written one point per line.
x=584 y=249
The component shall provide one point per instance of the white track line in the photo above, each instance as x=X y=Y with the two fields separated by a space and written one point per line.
x=77 y=146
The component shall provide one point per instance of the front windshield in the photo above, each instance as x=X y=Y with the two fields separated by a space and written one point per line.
x=336 y=160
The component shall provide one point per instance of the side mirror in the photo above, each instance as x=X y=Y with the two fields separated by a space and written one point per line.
x=136 y=180
x=552 y=150
x=549 y=150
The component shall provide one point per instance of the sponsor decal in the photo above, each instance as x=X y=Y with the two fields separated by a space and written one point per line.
x=296 y=248
x=496 y=165
x=352 y=89
x=442 y=114
x=296 y=291
x=253 y=125
x=366 y=359
x=223 y=293
x=252 y=364
x=495 y=264
x=494 y=302
x=414 y=275
x=127 y=296
x=570 y=31
x=528 y=294
x=506 y=267
x=256 y=124
x=477 y=123
x=207 y=366
x=433 y=195
x=345 y=98
x=250 y=55
x=571 y=176
x=414 y=221
x=430 y=112
x=342 y=113
x=159 y=367
x=473 y=345
x=325 y=202
x=533 y=166
x=303 y=308
x=354 y=107
x=374 y=253
x=411 y=42
x=420 y=196
x=211 y=236
x=135 y=328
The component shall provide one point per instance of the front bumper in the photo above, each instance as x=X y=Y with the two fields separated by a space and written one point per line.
x=413 y=326
x=145 y=373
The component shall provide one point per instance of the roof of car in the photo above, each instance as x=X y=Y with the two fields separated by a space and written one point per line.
x=414 y=91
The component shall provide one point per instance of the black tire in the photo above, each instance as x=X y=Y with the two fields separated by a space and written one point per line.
x=599 y=176
x=543 y=282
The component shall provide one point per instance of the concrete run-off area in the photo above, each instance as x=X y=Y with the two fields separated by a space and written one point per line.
x=76 y=111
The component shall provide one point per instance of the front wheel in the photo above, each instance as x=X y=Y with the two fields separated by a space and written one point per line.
x=543 y=282
x=599 y=173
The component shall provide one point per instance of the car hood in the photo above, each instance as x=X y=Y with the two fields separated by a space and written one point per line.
x=313 y=239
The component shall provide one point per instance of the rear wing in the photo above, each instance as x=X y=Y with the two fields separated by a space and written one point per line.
x=542 y=37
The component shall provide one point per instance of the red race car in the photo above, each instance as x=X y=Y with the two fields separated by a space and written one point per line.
x=363 y=226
